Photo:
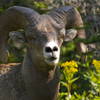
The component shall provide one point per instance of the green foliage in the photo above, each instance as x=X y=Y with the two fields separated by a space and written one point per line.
x=40 y=5
x=83 y=84
x=1 y=9
x=15 y=54
x=92 y=39
x=86 y=84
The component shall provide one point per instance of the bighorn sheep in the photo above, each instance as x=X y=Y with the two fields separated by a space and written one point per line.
x=37 y=78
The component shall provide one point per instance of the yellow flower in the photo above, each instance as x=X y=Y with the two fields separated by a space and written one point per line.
x=70 y=70
x=73 y=70
x=70 y=64
x=73 y=63
x=96 y=64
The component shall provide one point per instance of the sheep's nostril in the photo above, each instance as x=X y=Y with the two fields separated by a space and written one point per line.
x=48 y=49
x=55 y=48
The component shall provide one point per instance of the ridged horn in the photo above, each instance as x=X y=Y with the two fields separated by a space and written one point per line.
x=12 y=19
x=69 y=17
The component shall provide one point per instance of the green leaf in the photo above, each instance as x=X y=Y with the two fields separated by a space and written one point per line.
x=64 y=84
x=73 y=80
x=63 y=93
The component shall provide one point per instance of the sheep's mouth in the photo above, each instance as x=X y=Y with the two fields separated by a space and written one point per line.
x=52 y=60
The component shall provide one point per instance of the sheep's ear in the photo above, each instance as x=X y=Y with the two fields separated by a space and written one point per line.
x=17 y=38
x=70 y=34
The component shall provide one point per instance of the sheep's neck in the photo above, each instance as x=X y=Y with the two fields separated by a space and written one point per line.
x=40 y=83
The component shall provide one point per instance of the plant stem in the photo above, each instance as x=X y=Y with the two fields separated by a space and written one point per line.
x=69 y=90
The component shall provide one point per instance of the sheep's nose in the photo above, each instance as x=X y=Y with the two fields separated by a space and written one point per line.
x=48 y=49
x=51 y=52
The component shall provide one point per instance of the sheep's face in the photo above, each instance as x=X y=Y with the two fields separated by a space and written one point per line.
x=45 y=39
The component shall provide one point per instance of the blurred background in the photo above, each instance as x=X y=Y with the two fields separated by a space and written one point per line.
x=86 y=81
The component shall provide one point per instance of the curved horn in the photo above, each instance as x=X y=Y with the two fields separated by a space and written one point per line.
x=69 y=17
x=12 y=19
